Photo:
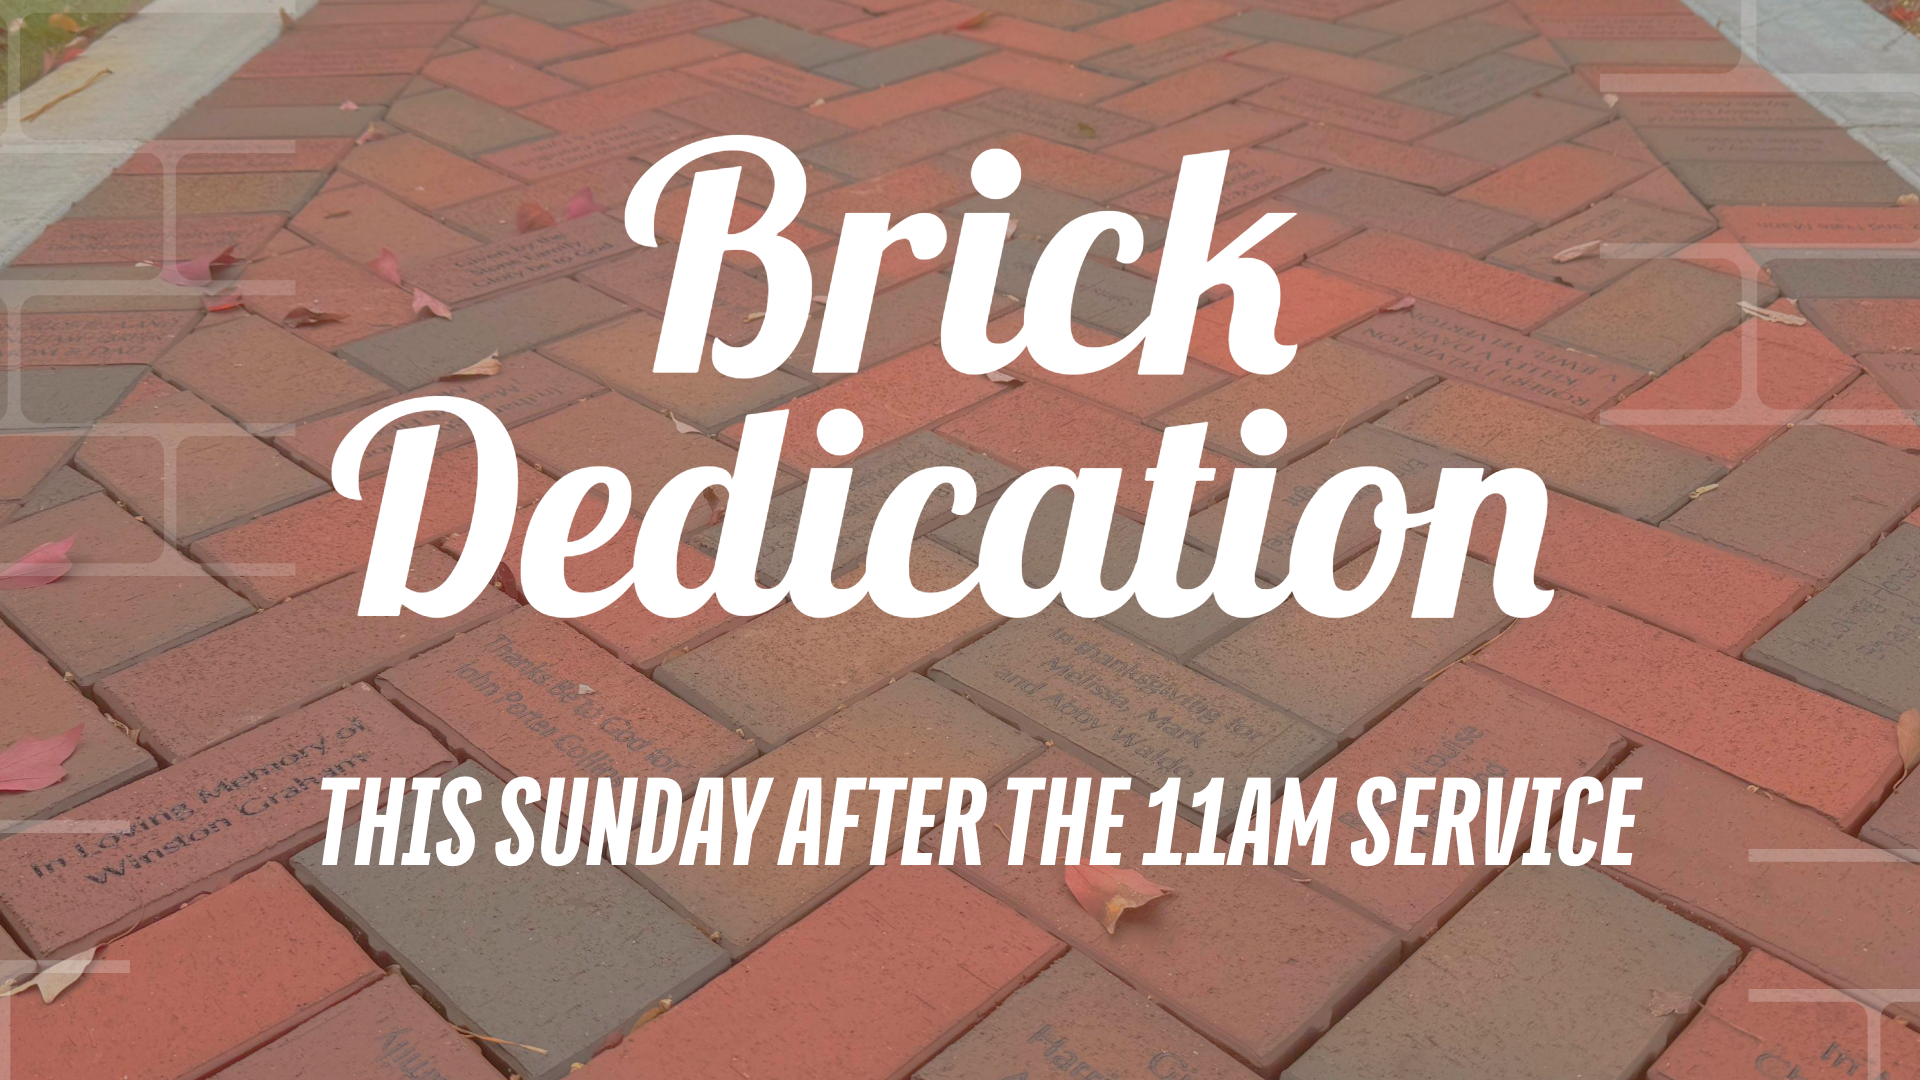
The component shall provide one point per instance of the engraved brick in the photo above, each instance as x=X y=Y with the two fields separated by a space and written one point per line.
x=43 y=705
x=1380 y=203
x=1856 y=638
x=381 y=1029
x=1493 y=356
x=196 y=826
x=527 y=695
x=1651 y=231
x=414 y=355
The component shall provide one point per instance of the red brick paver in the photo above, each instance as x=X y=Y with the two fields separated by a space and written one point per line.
x=1722 y=475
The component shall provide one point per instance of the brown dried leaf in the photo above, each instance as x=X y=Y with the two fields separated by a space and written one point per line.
x=286 y=22
x=1909 y=199
x=1907 y=731
x=1085 y=131
x=308 y=315
x=1780 y=317
x=976 y=22
x=754 y=316
x=63 y=21
x=532 y=217
x=63 y=974
x=1669 y=1003
x=1013 y=226
x=1107 y=892
x=479 y=368
x=1578 y=251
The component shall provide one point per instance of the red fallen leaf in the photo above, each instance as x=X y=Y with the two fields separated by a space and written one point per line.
x=387 y=266
x=43 y=565
x=533 y=217
x=1401 y=304
x=198 y=273
x=74 y=50
x=229 y=302
x=423 y=302
x=1105 y=892
x=308 y=316
x=580 y=205
x=32 y=764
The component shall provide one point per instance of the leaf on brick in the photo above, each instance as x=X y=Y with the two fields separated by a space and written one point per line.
x=1907 y=731
x=1084 y=130
x=387 y=266
x=308 y=315
x=423 y=302
x=226 y=302
x=1000 y=377
x=349 y=105
x=1766 y=315
x=1401 y=304
x=580 y=205
x=1013 y=226
x=32 y=764
x=198 y=273
x=683 y=427
x=1578 y=251
x=1107 y=892
x=63 y=21
x=43 y=565
x=532 y=217
x=286 y=22
x=976 y=22
x=373 y=132
x=477 y=369
x=59 y=976
x=1669 y=1003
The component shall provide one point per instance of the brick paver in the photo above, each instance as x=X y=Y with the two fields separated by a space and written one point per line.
x=1502 y=256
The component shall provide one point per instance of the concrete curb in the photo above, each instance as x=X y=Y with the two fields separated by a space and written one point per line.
x=1845 y=58
x=174 y=53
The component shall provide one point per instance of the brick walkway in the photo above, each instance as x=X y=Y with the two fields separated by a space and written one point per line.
x=1735 y=622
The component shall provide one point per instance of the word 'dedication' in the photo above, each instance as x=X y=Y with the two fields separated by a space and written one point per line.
x=1187 y=271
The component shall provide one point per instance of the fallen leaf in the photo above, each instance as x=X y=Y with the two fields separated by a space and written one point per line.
x=32 y=764
x=63 y=974
x=387 y=266
x=975 y=22
x=580 y=205
x=307 y=315
x=584 y=688
x=816 y=103
x=43 y=565
x=333 y=215
x=286 y=21
x=228 y=302
x=1699 y=491
x=349 y=105
x=1013 y=226
x=63 y=21
x=683 y=427
x=754 y=316
x=1000 y=377
x=653 y=1011
x=488 y=366
x=1105 y=892
x=1780 y=317
x=1907 y=730
x=1909 y=199
x=491 y=1039
x=1085 y=131
x=1401 y=304
x=423 y=302
x=713 y=505
x=1669 y=1003
x=369 y=135
x=1578 y=251
x=1610 y=99
x=197 y=273
x=532 y=217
